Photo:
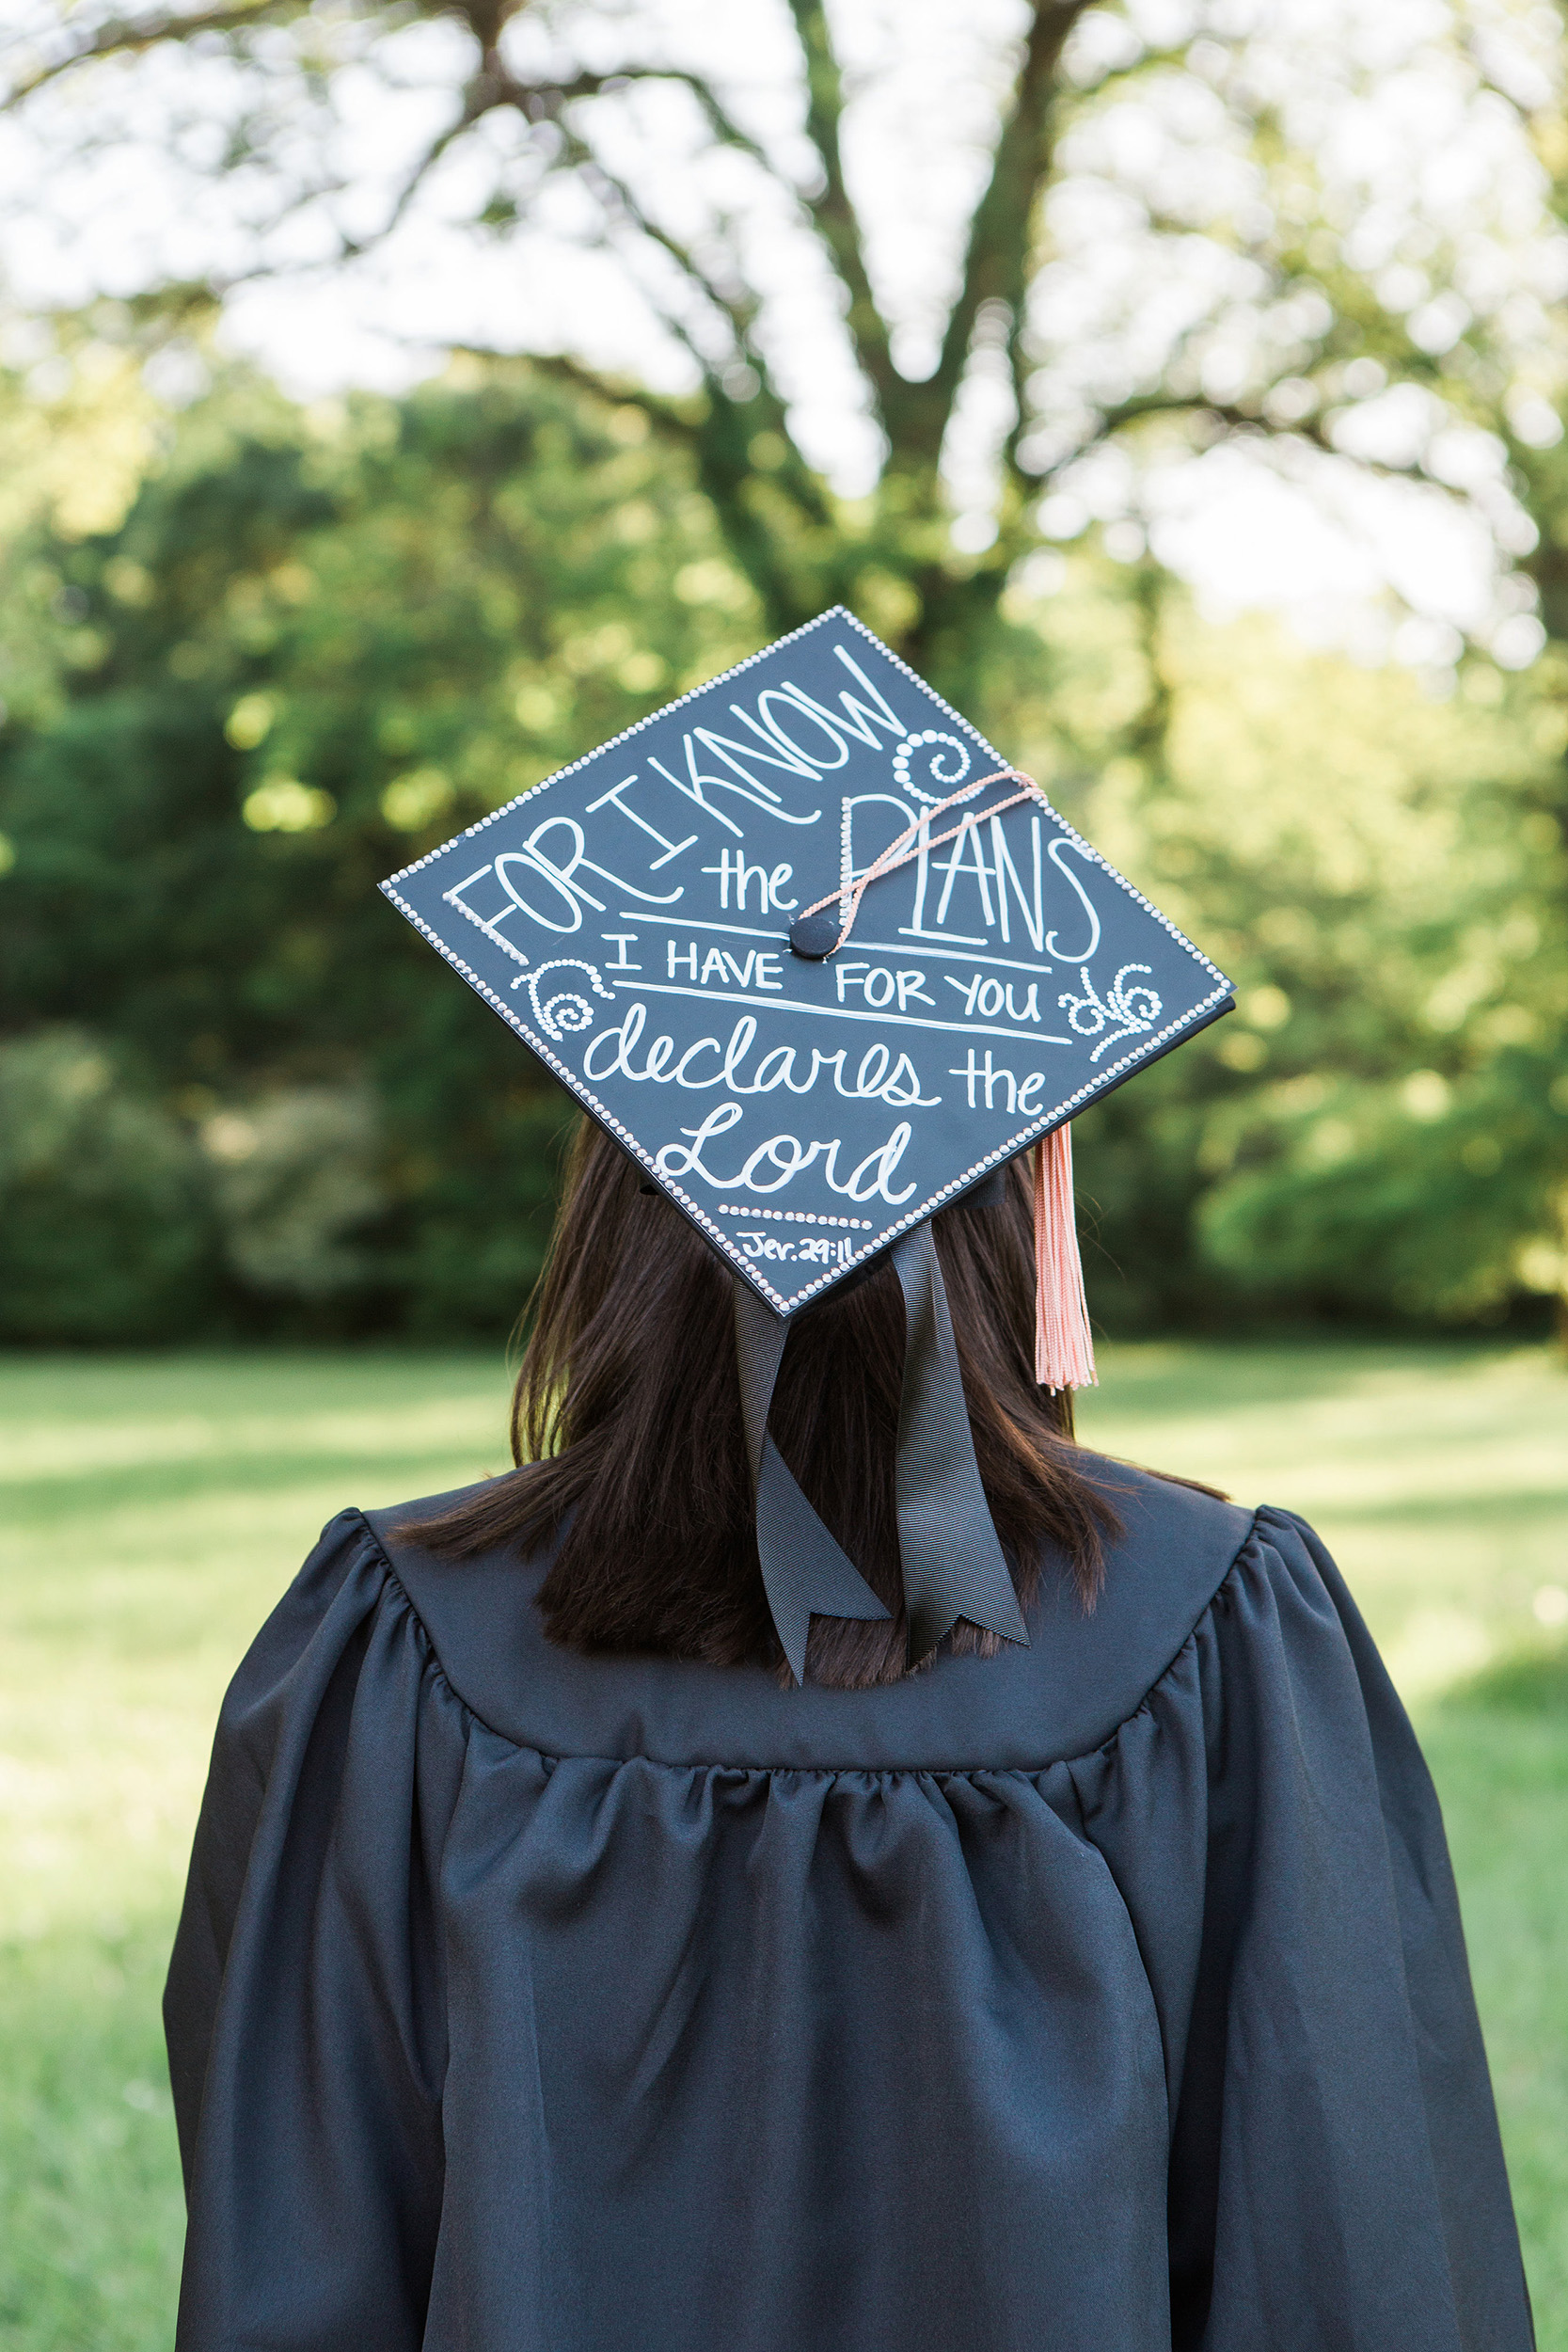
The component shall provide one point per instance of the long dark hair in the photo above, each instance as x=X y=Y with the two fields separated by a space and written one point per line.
x=626 y=1427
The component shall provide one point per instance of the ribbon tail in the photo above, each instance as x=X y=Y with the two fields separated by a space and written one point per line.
x=805 y=1573
x=953 y=1566
x=1064 y=1346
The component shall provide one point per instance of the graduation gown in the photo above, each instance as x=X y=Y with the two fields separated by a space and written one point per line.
x=1105 y=1995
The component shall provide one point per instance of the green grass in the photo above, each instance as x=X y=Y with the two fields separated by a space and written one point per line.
x=153 y=1507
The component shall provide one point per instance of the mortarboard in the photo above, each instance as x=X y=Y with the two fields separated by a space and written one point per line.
x=821 y=962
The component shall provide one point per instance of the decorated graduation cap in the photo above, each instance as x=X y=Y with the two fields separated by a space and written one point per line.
x=822 y=962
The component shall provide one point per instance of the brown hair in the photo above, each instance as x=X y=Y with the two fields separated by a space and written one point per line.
x=626 y=1430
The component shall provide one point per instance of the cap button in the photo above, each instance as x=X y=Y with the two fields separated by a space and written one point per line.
x=814 y=935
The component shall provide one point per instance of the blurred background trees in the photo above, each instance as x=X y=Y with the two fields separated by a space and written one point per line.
x=262 y=649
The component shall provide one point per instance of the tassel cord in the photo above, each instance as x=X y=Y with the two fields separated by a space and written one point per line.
x=1064 y=1346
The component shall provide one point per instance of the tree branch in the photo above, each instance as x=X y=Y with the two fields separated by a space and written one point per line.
x=736 y=310
x=1146 y=61
x=616 y=391
x=1014 y=477
x=539 y=101
x=125 y=37
x=717 y=440
x=1141 y=405
x=831 y=213
x=996 y=265
x=1242 y=423
x=354 y=248
x=721 y=122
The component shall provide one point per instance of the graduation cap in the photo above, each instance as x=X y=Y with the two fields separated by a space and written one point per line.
x=822 y=962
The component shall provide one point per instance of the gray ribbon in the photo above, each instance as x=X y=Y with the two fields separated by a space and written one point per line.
x=804 y=1571
x=953 y=1564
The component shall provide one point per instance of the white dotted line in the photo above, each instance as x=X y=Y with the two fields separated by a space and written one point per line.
x=796 y=1216
x=906 y=752
x=1096 y=1086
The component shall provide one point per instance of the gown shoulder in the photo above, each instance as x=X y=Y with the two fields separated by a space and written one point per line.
x=486 y=1946
x=1084 y=1670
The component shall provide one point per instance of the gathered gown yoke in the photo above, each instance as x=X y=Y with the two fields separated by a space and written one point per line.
x=1108 y=1993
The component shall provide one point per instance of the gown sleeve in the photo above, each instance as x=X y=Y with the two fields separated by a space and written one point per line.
x=304 y=2007
x=1337 y=2180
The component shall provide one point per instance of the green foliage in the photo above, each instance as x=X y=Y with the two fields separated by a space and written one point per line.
x=292 y=1179
x=298 y=647
x=103 y=1225
x=1382 y=1129
x=314 y=647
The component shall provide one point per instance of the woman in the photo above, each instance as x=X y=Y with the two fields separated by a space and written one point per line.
x=556 y=1977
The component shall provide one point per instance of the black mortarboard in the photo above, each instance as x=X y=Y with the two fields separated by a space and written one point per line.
x=821 y=961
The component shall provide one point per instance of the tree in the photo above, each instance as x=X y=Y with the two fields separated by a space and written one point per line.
x=1159 y=249
x=1429 y=351
x=1253 y=288
x=243 y=1095
x=308 y=649
x=546 y=99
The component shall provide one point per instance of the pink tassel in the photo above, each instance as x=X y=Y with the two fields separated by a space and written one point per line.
x=1064 y=1350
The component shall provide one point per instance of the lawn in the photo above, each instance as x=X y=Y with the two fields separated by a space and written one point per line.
x=154 y=1507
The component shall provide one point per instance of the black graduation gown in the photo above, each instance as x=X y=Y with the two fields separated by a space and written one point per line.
x=1101 y=1996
